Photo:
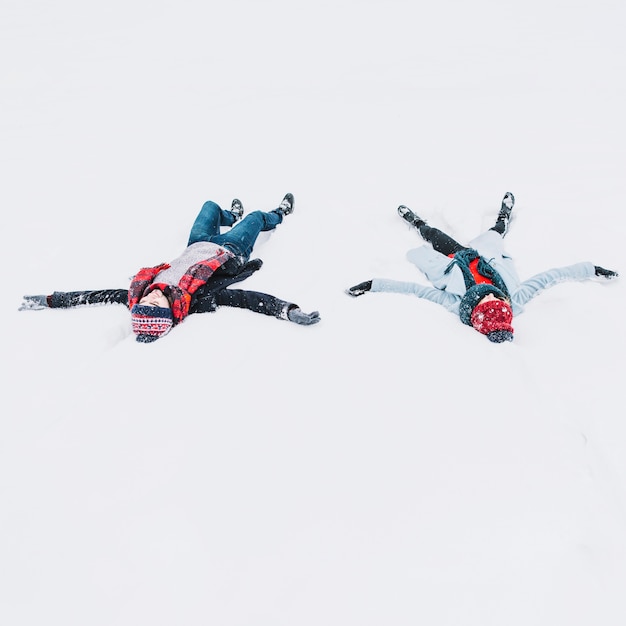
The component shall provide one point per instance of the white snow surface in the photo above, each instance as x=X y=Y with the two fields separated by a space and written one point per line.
x=386 y=466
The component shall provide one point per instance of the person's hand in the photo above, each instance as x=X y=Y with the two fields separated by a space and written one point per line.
x=34 y=303
x=360 y=289
x=604 y=273
x=298 y=316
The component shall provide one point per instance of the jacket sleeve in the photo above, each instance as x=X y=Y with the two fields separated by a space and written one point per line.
x=438 y=296
x=533 y=286
x=254 y=301
x=67 y=299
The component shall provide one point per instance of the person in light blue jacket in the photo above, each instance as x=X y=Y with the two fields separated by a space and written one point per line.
x=479 y=282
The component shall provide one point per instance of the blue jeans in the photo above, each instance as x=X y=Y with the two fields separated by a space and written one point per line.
x=241 y=238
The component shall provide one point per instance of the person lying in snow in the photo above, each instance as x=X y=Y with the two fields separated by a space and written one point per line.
x=161 y=297
x=479 y=282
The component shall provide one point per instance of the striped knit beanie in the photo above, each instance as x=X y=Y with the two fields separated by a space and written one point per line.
x=150 y=322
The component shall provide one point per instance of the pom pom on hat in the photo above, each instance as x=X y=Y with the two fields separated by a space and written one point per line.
x=500 y=336
x=150 y=322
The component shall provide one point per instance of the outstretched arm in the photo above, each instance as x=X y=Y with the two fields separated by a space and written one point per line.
x=579 y=271
x=67 y=299
x=447 y=300
x=259 y=303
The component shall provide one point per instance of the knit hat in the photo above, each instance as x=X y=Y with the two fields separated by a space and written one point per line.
x=151 y=322
x=473 y=296
x=493 y=318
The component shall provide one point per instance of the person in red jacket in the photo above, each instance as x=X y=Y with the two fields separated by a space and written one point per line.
x=162 y=296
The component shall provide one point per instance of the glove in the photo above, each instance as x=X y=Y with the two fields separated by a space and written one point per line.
x=360 y=289
x=34 y=303
x=604 y=273
x=298 y=316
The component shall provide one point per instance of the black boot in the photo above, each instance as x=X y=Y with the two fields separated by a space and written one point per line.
x=287 y=204
x=406 y=214
x=236 y=208
x=504 y=216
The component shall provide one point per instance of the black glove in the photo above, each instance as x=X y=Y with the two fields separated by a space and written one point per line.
x=360 y=289
x=298 y=316
x=34 y=303
x=604 y=273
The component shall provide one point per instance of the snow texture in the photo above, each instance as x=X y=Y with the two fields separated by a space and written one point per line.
x=386 y=466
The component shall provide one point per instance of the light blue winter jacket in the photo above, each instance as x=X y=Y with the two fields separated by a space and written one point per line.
x=450 y=287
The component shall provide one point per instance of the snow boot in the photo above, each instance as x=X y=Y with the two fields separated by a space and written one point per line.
x=406 y=214
x=236 y=208
x=504 y=216
x=286 y=205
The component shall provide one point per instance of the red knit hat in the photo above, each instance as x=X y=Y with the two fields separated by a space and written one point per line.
x=493 y=318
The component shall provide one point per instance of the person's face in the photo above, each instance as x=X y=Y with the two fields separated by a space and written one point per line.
x=155 y=298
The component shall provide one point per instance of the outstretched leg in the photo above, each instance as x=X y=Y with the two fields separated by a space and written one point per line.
x=504 y=216
x=208 y=222
x=438 y=239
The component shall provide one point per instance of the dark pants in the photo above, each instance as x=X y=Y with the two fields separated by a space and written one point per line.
x=444 y=243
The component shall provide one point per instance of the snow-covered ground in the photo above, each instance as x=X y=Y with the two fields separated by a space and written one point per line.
x=387 y=466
